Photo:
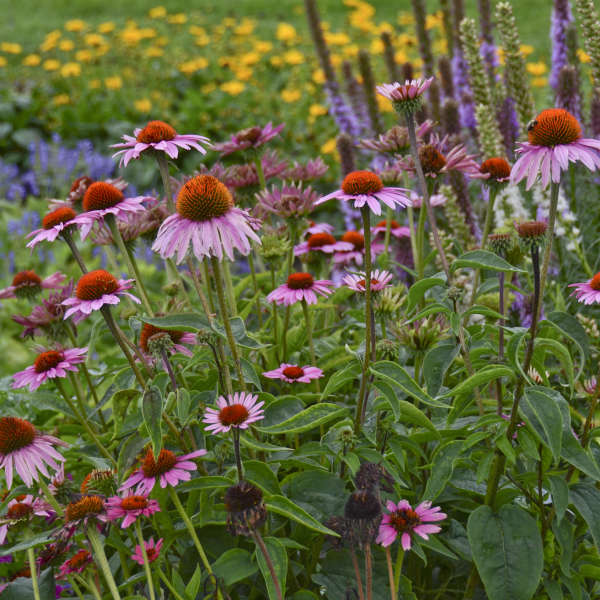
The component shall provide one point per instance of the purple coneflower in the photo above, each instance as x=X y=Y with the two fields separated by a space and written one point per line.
x=313 y=169
x=27 y=284
x=129 y=508
x=321 y=242
x=21 y=508
x=554 y=142
x=319 y=228
x=404 y=95
x=397 y=230
x=286 y=201
x=76 y=564
x=95 y=290
x=250 y=138
x=157 y=136
x=434 y=200
x=52 y=225
x=587 y=292
x=49 y=364
x=495 y=170
x=152 y=551
x=300 y=286
x=167 y=469
x=238 y=410
x=207 y=221
x=357 y=252
x=293 y=373
x=25 y=450
x=379 y=280
x=87 y=508
x=177 y=337
x=403 y=520
x=365 y=187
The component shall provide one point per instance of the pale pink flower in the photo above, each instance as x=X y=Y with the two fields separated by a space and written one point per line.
x=357 y=252
x=379 y=280
x=129 y=508
x=27 y=284
x=293 y=373
x=238 y=410
x=319 y=228
x=152 y=551
x=401 y=92
x=52 y=226
x=300 y=286
x=321 y=242
x=396 y=230
x=252 y=137
x=587 y=292
x=21 y=508
x=76 y=564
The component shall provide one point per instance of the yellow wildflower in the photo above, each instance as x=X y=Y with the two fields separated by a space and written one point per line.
x=94 y=84
x=196 y=30
x=401 y=57
x=71 y=69
x=233 y=88
x=178 y=19
x=113 y=83
x=526 y=49
x=350 y=51
x=276 y=61
x=291 y=95
x=3 y=61
x=102 y=50
x=48 y=44
x=583 y=56
x=229 y=21
x=318 y=76
x=434 y=21
x=106 y=27
x=376 y=46
x=191 y=66
x=144 y=105
x=153 y=52
x=539 y=82
x=75 y=25
x=202 y=40
x=537 y=69
x=329 y=147
x=385 y=27
x=61 y=99
x=157 y=12
x=246 y=27
x=337 y=39
x=262 y=46
x=208 y=88
x=384 y=104
x=243 y=73
x=93 y=39
x=294 y=57
x=51 y=65
x=286 y=32
x=317 y=110
x=250 y=58
x=66 y=45
x=336 y=60
x=84 y=55
x=11 y=48
x=32 y=60
x=406 y=18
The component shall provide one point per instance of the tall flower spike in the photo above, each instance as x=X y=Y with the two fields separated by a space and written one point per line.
x=590 y=25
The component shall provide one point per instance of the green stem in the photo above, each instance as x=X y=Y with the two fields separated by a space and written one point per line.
x=91 y=585
x=254 y=288
x=66 y=235
x=259 y=171
x=261 y=544
x=169 y=585
x=138 y=531
x=413 y=234
x=102 y=561
x=209 y=295
x=75 y=587
x=190 y=527
x=274 y=309
x=163 y=167
x=388 y=228
x=390 y=568
x=229 y=285
x=34 y=577
x=293 y=236
x=309 y=335
x=420 y=242
x=50 y=497
x=398 y=567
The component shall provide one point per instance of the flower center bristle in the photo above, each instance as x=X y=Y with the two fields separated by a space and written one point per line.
x=355 y=238
x=393 y=224
x=19 y=510
x=432 y=160
x=79 y=559
x=93 y=285
x=95 y=476
x=318 y=240
x=15 y=434
x=553 y=127
x=81 y=184
x=300 y=281
x=88 y=505
x=498 y=168
x=156 y=131
x=234 y=414
x=203 y=198
x=249 y=135
x=361 y=182
x=531 y=229
x=149 y=330
x=58 y=216
x=595 y=282
x=151 y=553
x=363 y=282
x=134 y=503
x=47 y=360
x=26 y=279
x=101 y=195
x=404 y=520
x=293 y=372
x=153 y=468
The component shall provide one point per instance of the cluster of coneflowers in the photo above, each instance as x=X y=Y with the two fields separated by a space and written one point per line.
x=197 y=230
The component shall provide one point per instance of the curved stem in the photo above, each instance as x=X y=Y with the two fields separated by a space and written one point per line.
x=235 y=434
x=309 y=335
x=34 y=577
x=66 y=235
x=369 y=572
x=361 y=593
x=75 y=587
x=398 y=568
x=169 y=585
x=259 y=171
x=169 y=369
x=261 y=544
x=163 y=167
x=98 y=549
x=50 y=497
x=390 y=568
x=138 y=531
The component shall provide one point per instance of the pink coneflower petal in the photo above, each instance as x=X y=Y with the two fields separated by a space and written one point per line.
x=238 y=410
x=300 y=286
x=253 y=137
x=379 y=280
x=587 y=292
x=293 y=373
x=152 y=551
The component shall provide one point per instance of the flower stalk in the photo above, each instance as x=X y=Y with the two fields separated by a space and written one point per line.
x=98 y=549
x=138 y=531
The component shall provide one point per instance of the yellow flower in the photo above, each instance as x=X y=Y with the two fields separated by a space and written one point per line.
x=377 y=46
x=191 y=66
x=32 y=60
x=94 y=84
x=250 y=58
x=276 y=61
x=11 y=48
x=406 y=18
x=401 y=57
x=336 y=60
x=337 y=39
x=526 y=49
x=350 y=51
x=102 y=50
x=93 y=39
x=3 y=62
x=113 y=83
x=84 y=55
x=317 y=110
x=539 y=82
x=263 y=46
x=246 y=27
x=196 y=30
x=47 y=45
x=157 y=12
x=385 y=27
x=154 y=52
x=318 y=76
x=291 y=95
x=66 y=45
x=294 y=57
x=178 y=19
x=329 y=147
x=51 y=64
x=147 y=33
x=202 y=40
x=433 y=21
x=229 y=21
x=233 y=88
x=144 y=105
x=53 y=35
x=75 y=25
x=61 y=99
x=106 y=27
x=384 y=104
x=583 y=56
x=70 y=69
x=286 y=32
x=537 y=69
x=243 y=73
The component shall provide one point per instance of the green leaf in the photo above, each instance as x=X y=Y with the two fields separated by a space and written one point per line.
x=507 y=550
x=308 y=419
x=238 y=329
x=560 y=495
x=404 y=411
x=285 y=507
x=585 y=498
x=561 y=353
x=192 y=588
x=441 y=471
x=234 y=565
x=340 y=378
x=543 y=415
x=207 y=482
x=418 y=289
x=250 y=373
x=184 y=322
x=22 y=587
x=572 y=328
x=484 y=259
x=260 y=474
x=397 y=376
x=184 y=404
x=31 y=542
x=152 y=407
x=480 y=378
x=513 y=350
x=435 y=365
x=279 y=559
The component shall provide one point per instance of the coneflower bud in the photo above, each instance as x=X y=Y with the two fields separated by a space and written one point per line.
x=370 y=476
x=532 y=232
x=99 y=481
x=387 y=350
x=363 y=514
x=245 y=508
x=274 y=244
x=345 y=148
x=159 y=343
x=501 y=242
